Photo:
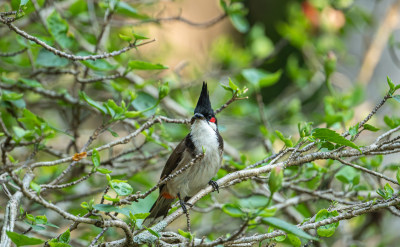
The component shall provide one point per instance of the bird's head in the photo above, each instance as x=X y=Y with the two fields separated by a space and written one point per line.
x=203 y=110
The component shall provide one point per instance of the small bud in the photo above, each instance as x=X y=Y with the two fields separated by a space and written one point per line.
x=275 y=179
x=163 y=91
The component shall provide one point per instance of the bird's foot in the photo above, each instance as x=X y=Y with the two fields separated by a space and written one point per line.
x=184 y=204
x=214 y=185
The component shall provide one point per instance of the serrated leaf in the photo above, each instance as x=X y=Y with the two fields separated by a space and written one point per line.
x=332 y=136
x=21 y=240
x=326 y=230
x=65 y=237
x=121 y=188
x=142 y=65
x=370 y=128
x=287 y=227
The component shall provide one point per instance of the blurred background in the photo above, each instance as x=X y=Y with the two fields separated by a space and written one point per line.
x=319 y=61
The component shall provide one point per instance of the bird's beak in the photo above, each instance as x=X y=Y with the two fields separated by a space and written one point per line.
x=196 y=117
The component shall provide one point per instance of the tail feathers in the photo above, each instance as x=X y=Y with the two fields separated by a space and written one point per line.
x=158 y=211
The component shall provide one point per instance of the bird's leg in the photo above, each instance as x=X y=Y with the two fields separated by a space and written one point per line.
x=182 y=202
x=214 y=185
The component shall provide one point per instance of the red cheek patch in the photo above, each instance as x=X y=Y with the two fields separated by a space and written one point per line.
x=212 y=120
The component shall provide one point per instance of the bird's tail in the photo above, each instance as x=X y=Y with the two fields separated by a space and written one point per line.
x=158 y=211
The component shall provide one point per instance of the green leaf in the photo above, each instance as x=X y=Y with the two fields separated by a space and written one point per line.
x=389 y=191
x=99 y=64
x=294 y=240
x=34 y=186
x=141 y=65
x=270 y=79
x=58 y=28
x=127 y=10
x=145 y=103
x=93 y=103
x=9 y=96
x=332 y=136
x=287 y=141
x=353 y=130
x=21 y=240
x=391 y=84
x=58 y=244
x=139 y=37
x=111 y=199
x=287 y=227
x=23 y=2
x=126 y=38
x=396 y=97
x=132 y=114
x=398 y=175
x=121 y=188
x=103 y=170
x=110 y=208
x=260 y=78
x=142 y=216
x=152 y=231
x=240 y=22
x=370 y=128
x=41 y=219
x=31 y=83
x=267 y=212
x=348 y=175
x=275 y=179
x=327 y=230
x=163 y=91
x=96 y=158
x=65 y=237
x=232 y=210
x=187 y=235
x=46 y=58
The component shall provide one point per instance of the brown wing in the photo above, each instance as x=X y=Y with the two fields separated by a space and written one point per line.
x=176 y=156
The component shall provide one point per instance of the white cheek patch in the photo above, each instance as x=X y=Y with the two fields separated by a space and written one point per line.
x=213 y=126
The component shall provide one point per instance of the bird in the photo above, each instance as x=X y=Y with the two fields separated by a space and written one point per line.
x=203 y=137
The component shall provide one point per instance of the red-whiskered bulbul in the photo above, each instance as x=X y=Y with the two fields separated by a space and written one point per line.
x=203 y=135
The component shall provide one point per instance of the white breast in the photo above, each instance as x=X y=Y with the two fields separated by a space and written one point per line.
x=197 y=177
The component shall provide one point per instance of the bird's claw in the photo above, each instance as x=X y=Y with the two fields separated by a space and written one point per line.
x=214 y=185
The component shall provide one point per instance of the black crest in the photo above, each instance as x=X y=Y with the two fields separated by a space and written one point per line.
x=203 y=104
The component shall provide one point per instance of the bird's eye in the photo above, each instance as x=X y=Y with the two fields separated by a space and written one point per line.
x=212 y=120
